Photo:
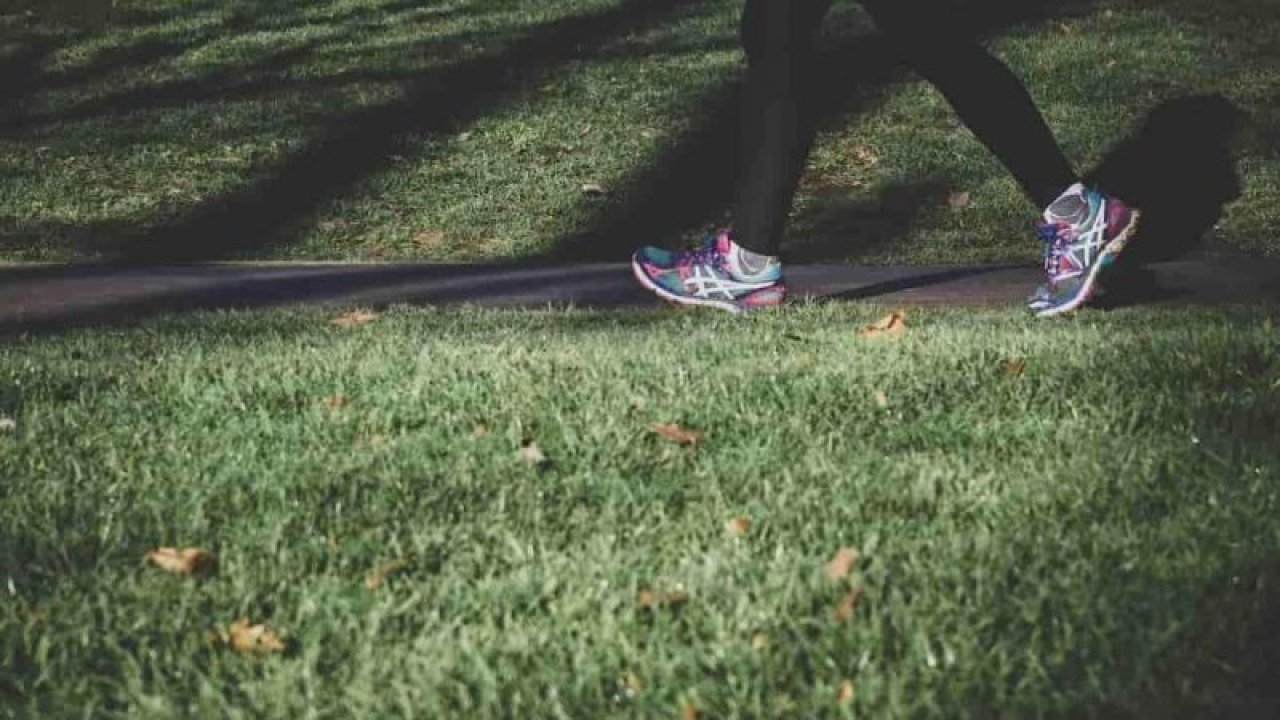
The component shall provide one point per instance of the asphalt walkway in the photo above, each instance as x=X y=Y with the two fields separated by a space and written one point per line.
x=40 y=298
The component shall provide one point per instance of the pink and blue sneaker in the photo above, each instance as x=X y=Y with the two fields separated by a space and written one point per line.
x=718 y=275
x=1084 y=232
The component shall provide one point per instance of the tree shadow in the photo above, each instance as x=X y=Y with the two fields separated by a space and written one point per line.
x=266 y=212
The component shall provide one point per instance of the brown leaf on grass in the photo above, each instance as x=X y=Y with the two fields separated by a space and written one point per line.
x=891 y=324
x=480 y=431
x=738 y=526
x=244 y=637
x=632 y=683
x=354 y=318
x=844 y=609
x=594 y=189
x=689 y=711
x=841 y=563
x=377 y=576
x=882 y=400
x=677 y=434
x=531 y=453
x=336 y=402
x=184 y=561
x=960 y=200
x=650 y=599
x=866 y=156
x=428 y=239
x=1013 y=368
x=759 y=641
x=844 y=693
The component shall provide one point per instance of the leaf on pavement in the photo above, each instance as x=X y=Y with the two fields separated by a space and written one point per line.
x=354 y=318
x=891 y=324
x=841 y=563
x=677 y=434
x=377 y=576
x=184 y=561
x=245 y=637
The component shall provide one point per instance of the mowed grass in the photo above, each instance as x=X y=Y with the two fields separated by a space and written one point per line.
x=462 y=130
x=1070 y=517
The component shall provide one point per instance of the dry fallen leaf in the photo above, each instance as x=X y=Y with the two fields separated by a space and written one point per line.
x=960 y=200
x=336 y=402
x=844 y=694
x=738 y=525
x=593 y=189
x=531 y=453
x=689 y=711
x=677 y=434
x=185 y=561
x=841 y=563
x=844 y=610
x=428 y=239
x=891 y=324
x=881 y=399
x=355 y=317
x=759 y=641
x=377 y=576
x=480 y=431
x=246 y=638
x=7 y=424
x=632 y=682
x=1013 y=368
x=656 y=599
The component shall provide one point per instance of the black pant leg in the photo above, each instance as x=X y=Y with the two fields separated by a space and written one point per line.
x=934 y=40
x=777 y=36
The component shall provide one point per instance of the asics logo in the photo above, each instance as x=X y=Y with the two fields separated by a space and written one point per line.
x=704 y=282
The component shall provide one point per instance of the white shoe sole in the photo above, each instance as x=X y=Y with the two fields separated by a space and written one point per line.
x=643 y=278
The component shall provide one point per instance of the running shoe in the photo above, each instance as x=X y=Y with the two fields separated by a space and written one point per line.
x=714 y=275
x=1084 y=232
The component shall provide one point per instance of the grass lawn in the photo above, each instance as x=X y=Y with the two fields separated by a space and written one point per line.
x=1052 y=518
x=385 y=129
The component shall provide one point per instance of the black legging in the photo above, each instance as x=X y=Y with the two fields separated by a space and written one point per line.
x=778 y=36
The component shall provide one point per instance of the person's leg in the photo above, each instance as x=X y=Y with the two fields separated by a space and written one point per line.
x=933 y=40
x=1083 y=230
x=778 y=37
x=738 y=269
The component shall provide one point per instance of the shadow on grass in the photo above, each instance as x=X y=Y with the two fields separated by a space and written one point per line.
x=355 y=146
x=692 y=182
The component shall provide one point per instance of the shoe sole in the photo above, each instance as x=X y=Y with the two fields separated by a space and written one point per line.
x=643 y=278
x=1110 y=252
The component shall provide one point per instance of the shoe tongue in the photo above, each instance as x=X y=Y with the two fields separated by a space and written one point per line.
x=724 y=243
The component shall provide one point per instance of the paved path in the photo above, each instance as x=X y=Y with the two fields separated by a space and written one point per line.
x=36 y=298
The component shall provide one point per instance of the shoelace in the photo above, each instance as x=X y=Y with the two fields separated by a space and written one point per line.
x=1055 y=241
x=708 y=254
